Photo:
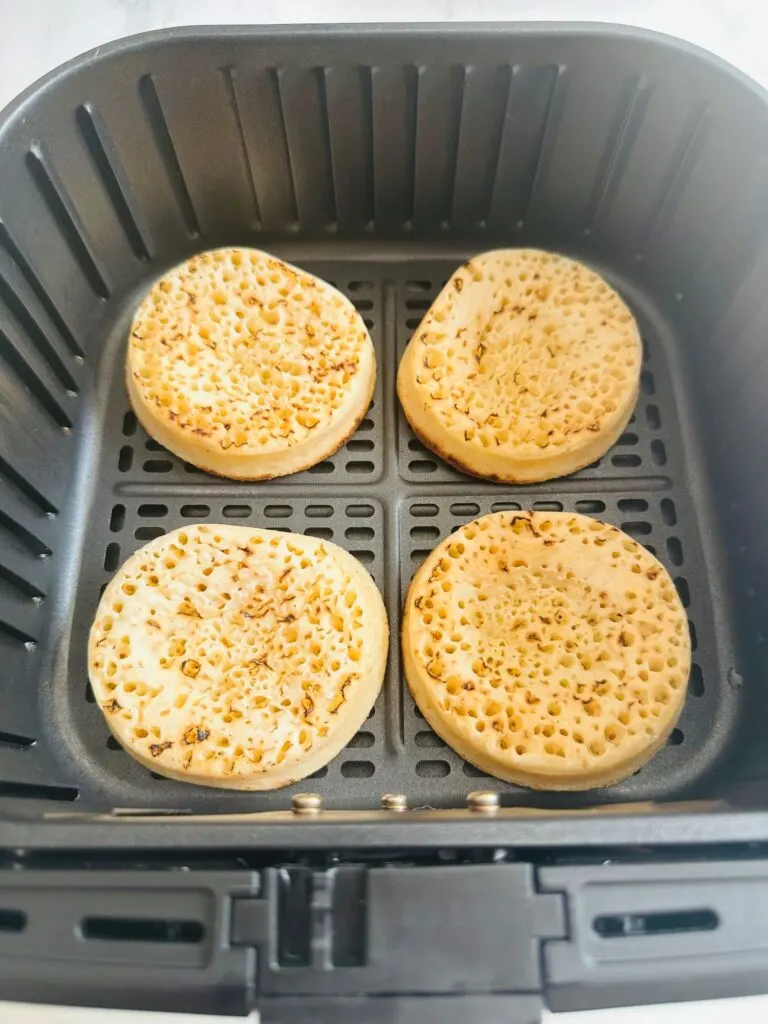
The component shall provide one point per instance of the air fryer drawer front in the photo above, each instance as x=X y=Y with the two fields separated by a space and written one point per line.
x=403 y=942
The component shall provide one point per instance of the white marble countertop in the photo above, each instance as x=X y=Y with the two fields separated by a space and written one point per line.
x=718 y=1011
x=37 y=35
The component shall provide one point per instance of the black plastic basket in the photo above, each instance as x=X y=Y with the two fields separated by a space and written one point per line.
x=378 y=158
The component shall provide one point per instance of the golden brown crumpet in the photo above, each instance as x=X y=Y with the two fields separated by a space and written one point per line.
x=547 y=648
x=525 y=368
x=247 y=367
x=236 y=657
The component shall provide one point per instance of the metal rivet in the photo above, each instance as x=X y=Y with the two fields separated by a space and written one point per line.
x=307 y=803
x=484 y=801
x=394 y=802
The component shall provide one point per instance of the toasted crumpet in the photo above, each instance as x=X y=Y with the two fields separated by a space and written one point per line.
x=236 y=657
x=547 y=648
x=525 y=367
x=247 y=367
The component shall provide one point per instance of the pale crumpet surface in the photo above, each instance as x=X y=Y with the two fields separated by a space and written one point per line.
x=236 y=657
x=548 y=649
x=525 y=368
x=248 y=367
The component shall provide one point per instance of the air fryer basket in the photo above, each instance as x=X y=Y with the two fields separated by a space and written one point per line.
x=379 y=159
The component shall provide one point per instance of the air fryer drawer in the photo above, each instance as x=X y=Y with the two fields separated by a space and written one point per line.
x=379 y=160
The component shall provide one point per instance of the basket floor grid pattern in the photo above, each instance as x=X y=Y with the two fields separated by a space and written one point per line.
x=389 y=515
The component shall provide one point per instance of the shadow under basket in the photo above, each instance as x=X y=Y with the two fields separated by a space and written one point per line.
x=380 y=160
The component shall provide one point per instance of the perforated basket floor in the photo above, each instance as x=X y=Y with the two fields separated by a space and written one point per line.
x=388 y=500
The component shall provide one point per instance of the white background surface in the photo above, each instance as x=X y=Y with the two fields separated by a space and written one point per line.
x=37 y=35
x=718 y=1011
